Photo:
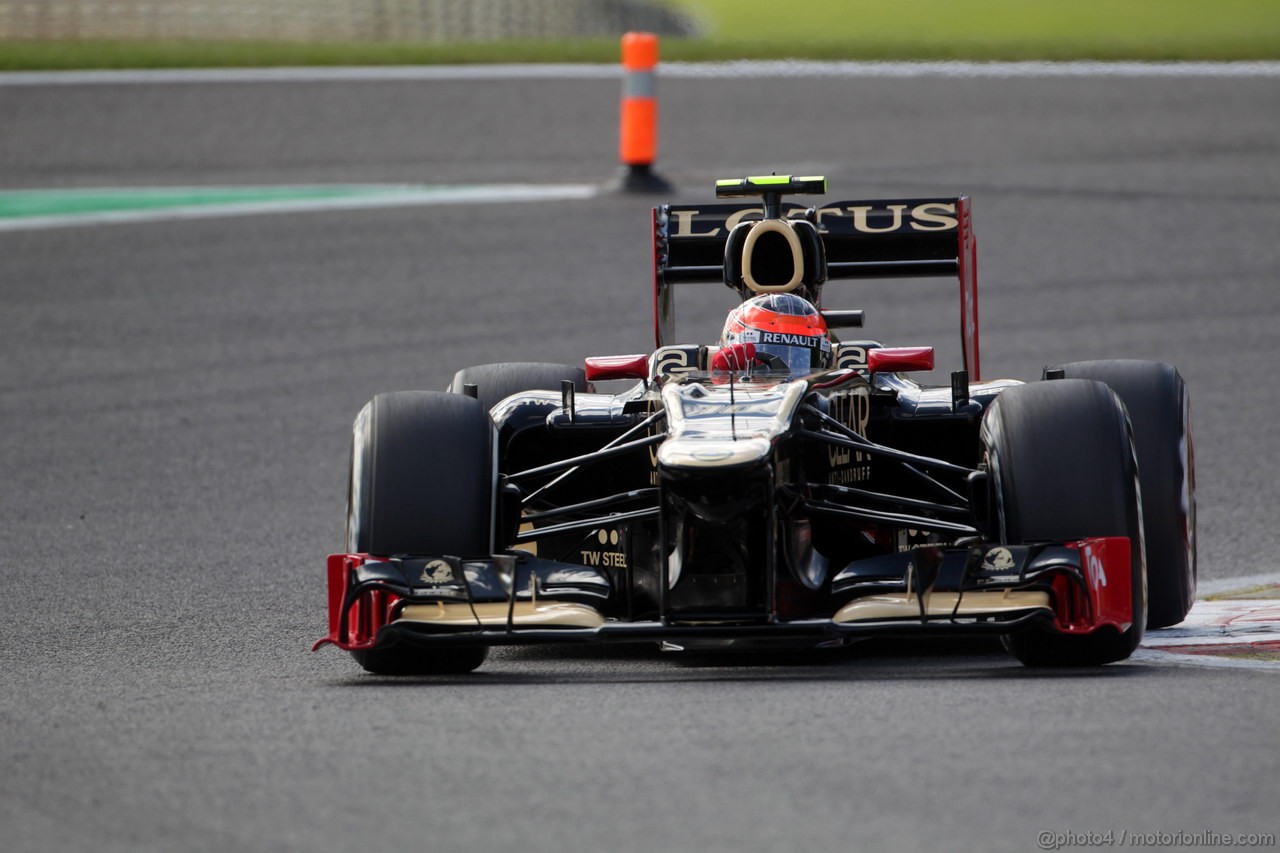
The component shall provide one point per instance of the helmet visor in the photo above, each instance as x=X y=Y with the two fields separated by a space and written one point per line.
x=792 y=353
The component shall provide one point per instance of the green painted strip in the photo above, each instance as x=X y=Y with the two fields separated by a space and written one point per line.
x=766 y=180
x=22 y=203
x=26 y=210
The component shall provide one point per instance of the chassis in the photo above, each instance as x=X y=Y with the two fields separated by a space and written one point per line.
x=704 y=509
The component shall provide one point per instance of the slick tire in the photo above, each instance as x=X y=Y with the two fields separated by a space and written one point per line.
x=495 y=382
x=422 y=482
x=407 y=660
x=1160 y=411
x=1062 y=466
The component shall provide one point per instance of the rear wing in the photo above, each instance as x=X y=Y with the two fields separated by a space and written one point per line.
x=896 y=238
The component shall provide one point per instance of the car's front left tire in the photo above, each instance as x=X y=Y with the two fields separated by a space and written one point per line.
x=1062 y=467
x=422 y=483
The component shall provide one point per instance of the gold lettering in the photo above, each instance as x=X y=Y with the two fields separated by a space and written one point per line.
x=651 y=406
x=861 y=415
x=861 y=215
x=852 y=358
x=859 y=474
x=669 y=361
x=934 y=212
x=822 y=229
x=606 y=559
x=741 y=215
x=929 y=216
x=854 y=411
x=841 y=408
x=684 y=224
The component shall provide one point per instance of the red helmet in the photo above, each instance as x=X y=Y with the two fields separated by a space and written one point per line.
x=788 y=332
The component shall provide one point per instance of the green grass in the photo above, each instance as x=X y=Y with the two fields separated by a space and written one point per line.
x=58 y=55
x=763 y=29
x=996 y=29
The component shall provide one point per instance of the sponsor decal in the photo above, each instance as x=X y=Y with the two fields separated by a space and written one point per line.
x=863 y=219
x=1096 y=571
x=436 y=572
x=652 y=404
x=998 y=566
x=849 y=476
x=931 y=216
x=610 y=555
x=669 y=361
x=910 y=538
x=853 y=409
x=998 y=560
x=786 y=340
x=851 y=358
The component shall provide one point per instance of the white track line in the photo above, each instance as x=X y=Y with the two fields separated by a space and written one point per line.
x=1221 y=586
x=673 y=70
x=806 y=68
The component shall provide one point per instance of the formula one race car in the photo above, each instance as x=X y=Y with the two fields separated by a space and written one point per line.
x=785 y=487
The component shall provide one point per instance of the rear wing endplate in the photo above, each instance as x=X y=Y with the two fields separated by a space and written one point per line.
x=895 y=238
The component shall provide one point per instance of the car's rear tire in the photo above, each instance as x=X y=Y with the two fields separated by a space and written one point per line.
x=422 y=482
x=495 y=382
x=1062 y=467
x=1160 y=411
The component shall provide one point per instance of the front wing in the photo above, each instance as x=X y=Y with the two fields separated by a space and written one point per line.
x=512 y=599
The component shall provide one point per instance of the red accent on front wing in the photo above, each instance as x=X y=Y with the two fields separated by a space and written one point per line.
x=366 y=615
x=1105 y=563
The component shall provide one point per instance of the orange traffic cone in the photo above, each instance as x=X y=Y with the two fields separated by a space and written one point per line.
x=638 y=130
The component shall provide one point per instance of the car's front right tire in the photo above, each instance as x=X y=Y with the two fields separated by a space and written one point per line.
x=495 y=382
x=1159 y=407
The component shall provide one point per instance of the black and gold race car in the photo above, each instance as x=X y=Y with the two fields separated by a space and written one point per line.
x=790 y=485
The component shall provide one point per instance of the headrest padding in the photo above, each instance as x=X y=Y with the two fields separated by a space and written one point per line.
x=765 y=257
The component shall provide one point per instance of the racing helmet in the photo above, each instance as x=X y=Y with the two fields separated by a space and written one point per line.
x=788 y=332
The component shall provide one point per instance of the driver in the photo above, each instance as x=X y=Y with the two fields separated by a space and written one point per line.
x=777 y=331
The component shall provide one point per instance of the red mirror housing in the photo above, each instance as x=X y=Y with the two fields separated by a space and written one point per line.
x=899 y=359
x=602 y=367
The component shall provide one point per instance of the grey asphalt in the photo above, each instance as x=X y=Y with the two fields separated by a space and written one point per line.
x=175 y=405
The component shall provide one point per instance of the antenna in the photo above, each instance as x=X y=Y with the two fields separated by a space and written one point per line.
x=733 y=408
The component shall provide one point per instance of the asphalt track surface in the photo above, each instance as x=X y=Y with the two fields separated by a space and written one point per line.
x=176 y=408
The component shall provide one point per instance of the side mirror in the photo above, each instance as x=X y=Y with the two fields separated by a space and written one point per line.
x=603 y=367
x=899 y=359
